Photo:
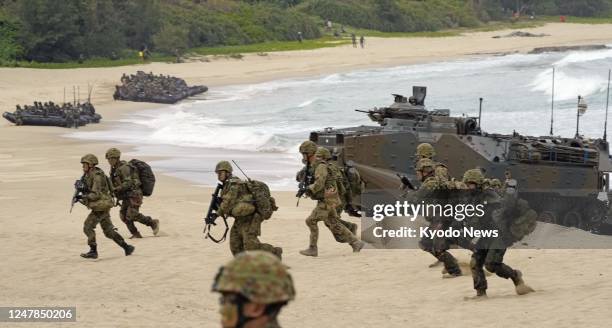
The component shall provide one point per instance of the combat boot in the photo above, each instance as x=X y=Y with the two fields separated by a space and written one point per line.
x=519 y=285
x=310 y=251
x=155 y=226
x=92 y=254
x=136 y=235
x=481 y=293
x=357 y=245
x=128 y=249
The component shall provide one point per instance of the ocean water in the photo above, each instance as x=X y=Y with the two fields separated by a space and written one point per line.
x=260 y=126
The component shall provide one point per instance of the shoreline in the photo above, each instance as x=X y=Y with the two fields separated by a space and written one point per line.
x=166 y=282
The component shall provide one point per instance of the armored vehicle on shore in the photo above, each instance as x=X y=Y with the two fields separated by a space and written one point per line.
x=566 y=180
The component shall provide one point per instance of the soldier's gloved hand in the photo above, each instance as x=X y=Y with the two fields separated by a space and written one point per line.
x=211 y=219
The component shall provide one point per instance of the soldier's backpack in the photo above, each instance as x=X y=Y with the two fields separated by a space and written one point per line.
x=524 y=220
x=342 y=182
x=265 y=204
x=354 y=181
x=146 y=176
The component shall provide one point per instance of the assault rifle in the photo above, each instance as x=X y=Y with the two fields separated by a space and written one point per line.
x=80 y=189
x=211 y=215
x=406 y=183
x=307 y=180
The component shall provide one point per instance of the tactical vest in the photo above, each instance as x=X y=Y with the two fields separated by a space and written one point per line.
x=330 y=181
x=105 y=202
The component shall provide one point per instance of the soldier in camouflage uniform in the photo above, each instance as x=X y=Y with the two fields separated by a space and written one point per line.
x=254 y=288
x=311 y=148
x=238 y=203
x=126 y=187
x=489 y=252
x=325 y=191
x=438 y=247
x=98 y=199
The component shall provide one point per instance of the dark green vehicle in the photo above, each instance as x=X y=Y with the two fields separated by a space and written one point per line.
x=566 y=180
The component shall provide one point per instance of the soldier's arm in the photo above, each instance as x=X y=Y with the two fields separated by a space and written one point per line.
x=96 y=189
x=320 y=175
x=229 y=196
x=127 y=182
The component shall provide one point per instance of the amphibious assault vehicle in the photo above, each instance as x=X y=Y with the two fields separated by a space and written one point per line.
x=566 y=180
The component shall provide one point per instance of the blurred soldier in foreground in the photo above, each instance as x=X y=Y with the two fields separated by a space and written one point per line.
x=254 y=287
x=96 y=195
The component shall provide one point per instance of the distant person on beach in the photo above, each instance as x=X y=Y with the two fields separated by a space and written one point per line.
x=354 y=39
x=362 y=41
x=300 y=37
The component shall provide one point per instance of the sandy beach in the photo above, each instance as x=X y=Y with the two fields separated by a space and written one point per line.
x=167 y=281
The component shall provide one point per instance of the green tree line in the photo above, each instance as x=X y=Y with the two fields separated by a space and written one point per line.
x=64 y=30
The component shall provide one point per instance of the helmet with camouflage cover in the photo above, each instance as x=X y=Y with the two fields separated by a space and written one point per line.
x=323 y=153
x=496 y=183
x=308 y=147
x=113 y=153
x=473 y=176
x=257 y=275
x=223 y=166
x=425 y=163
x=90 y=159
x=425 y=150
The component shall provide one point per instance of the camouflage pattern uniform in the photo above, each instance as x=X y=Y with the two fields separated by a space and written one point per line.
x=99 y=200
x=126 y=187
x=438 y=247
x=325 y=191
x=255 y=277
x=237 y=202
x=489 y=252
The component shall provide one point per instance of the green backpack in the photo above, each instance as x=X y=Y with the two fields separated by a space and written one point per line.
x=265 y=204
x=524 y=222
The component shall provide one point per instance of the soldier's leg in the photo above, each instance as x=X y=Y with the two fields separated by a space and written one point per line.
x=128 y=223
x=441 y=247
x=235 y=239
x=89 y=227
x=111 y=232
x=133 y=214
x=333 y=224
x=494 y=264
x=251 y=241
x=478 y=275
x=311 y=222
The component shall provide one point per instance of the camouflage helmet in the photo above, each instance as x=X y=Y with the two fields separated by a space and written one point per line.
x=90 y=159
x=113 y=153
x=223 y=166
x=257 y=275
x=425 y=150
x=323 y=153
x=496 y=183
x=425 y=162
x=473 y=176
x=308 y=147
